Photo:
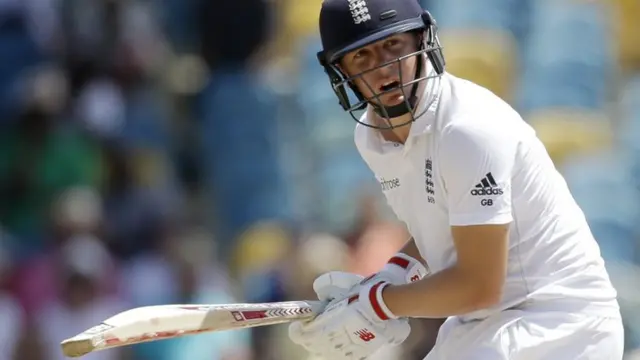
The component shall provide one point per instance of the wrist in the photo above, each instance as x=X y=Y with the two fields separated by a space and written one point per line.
x=400 y=269
x=371 y=297
x=388 y=296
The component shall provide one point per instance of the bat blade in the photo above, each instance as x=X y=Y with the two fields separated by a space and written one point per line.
x=152 y=323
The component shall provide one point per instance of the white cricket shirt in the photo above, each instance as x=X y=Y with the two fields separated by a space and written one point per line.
x=471 y=160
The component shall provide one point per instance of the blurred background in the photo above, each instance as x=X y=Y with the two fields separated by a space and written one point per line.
x=185 y=151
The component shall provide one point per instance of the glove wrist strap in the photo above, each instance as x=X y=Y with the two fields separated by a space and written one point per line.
x=377 y=302
x=403 y=265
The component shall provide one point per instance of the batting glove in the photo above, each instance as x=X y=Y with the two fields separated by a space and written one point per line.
x=352 y=328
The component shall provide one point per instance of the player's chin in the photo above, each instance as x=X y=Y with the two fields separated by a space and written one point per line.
x=392 y=101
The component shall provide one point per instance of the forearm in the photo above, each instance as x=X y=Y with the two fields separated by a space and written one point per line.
x=446 y=293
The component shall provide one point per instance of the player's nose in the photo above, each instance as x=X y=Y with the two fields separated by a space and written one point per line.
x=386 y=72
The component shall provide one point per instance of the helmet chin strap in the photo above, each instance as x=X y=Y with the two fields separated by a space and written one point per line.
x=404 y=107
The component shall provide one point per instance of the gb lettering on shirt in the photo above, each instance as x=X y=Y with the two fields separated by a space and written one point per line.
x=428 y=181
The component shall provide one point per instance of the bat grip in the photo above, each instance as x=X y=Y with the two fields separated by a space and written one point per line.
x=317 y=307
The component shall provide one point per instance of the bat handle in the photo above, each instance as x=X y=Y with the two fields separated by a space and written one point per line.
x=317 y=307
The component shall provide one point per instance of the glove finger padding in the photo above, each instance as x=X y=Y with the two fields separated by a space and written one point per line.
x=299 y=336
x=296 y=333
x=357 y=342
x=335 y=285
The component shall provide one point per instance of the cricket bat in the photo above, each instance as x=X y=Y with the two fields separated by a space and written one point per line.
x=152 y=323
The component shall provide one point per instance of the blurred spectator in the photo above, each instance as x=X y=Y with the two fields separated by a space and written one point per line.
x=136 y=215
x=82 y=301
x=248 y=21
x=240 y=157
x=76 y=214
x=22 y=24
x=100 y=107
x=42 y=154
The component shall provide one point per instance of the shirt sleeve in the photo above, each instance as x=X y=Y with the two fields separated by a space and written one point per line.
x=476 y=165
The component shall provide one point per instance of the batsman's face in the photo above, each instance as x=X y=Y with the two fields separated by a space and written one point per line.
x=377 y=70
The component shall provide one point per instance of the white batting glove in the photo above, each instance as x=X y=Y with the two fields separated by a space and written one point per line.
x=352 y=328
x=336 y=286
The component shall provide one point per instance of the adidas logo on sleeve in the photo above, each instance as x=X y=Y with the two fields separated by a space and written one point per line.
x=486 y=186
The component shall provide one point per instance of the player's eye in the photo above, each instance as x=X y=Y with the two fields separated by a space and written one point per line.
x=361 y=58
x=393 y=43
x=360 y=54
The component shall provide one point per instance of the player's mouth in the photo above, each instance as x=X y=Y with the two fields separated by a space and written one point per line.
x=389 y=85
x=391 y=93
